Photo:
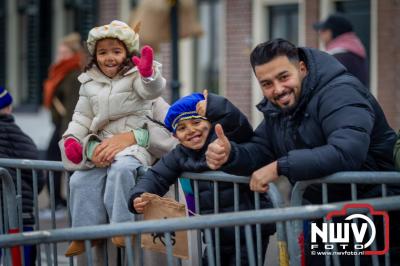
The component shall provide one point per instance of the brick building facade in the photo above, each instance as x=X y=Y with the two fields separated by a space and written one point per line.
x=236 y=26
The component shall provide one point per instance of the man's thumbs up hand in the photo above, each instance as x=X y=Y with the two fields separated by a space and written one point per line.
x=218 y=151
x=222 y=139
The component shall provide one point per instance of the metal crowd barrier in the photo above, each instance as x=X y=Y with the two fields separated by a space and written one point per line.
x=295 y=229
x=36 y=166
x=273 y=194
x=169 y=226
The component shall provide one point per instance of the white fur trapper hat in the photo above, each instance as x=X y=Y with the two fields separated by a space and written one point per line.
x=116 y=29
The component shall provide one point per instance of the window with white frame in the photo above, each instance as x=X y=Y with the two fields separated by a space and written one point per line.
x=282 y=21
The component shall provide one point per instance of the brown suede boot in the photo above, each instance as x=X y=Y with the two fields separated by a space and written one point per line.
x=78 y=247
x=119 y=241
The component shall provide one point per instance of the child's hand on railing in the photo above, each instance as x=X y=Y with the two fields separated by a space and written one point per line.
x=139 y=204
x=145 y=62
x=73 y=150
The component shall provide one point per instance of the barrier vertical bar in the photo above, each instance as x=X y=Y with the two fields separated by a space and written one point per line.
x=277 y=202
x=36 y=213
x=128 y=248
x=384 y=194
x=249 y=245
x=384 y=190
x=19 y=200
x=48 y=254
x=325 y=201
x=237 y=228
x=20 y=211
x=210 y=253
x=176 y=190
x=69 y=219
x=258 y=230
x=179 y=262
x=53 y=212
x=105 y=252
x=197 y=209
x=216 y=230
x=121 y=254
x=354 y=197
x=168 y=245
x=88 y=250
x=52 y=199
x=7 y=256
x=68 y=177
x=387 y=257
x=137 y=251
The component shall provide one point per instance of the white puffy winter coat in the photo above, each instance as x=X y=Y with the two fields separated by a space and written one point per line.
x=110 y=106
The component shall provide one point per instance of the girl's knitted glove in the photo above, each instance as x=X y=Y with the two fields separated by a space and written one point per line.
x=73 y=150
x=145 y=63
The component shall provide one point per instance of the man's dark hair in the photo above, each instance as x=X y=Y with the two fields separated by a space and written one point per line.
x=267 y=51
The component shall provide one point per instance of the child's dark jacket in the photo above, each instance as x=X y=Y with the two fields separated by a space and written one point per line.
x=164 y=173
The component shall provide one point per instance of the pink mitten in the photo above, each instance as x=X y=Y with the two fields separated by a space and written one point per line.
x=73 y=150
x=145 y=63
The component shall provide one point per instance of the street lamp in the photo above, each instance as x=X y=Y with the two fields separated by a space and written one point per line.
x=175 y=84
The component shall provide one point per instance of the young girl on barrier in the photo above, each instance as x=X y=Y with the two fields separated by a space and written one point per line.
x=111 y=134
x=196 y=120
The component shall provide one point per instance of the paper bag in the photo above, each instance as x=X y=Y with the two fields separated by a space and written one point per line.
x=164 y=208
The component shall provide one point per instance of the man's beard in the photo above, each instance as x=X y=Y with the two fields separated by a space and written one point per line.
x=287 y=110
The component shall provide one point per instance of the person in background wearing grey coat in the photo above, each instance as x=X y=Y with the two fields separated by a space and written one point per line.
x=115 y=98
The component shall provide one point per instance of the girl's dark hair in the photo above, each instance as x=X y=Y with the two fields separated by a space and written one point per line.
x=126 y=65
x=267 y=51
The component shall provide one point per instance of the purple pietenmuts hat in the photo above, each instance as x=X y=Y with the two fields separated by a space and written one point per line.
x=182 y=109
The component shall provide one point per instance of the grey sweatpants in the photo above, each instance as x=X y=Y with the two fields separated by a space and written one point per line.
x=100 y=195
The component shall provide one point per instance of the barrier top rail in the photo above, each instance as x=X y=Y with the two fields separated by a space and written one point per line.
x=32 y=164
x=360 y=177
x=204 y=176
x=220 y=176
x=216 y=176
x=356 y=177
x=196 y=222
